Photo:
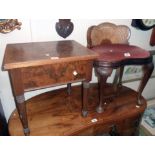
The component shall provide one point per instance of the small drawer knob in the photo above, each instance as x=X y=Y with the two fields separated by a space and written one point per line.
x=75 y=73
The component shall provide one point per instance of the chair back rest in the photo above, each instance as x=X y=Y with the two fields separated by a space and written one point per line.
x=107 y=33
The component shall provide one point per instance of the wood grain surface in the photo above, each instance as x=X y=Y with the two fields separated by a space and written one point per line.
x=42 y=53
x=56 y=74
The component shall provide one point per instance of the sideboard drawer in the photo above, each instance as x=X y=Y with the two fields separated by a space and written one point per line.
x=55 y=74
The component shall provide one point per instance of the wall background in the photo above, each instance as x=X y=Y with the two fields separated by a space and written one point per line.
x=44 y=30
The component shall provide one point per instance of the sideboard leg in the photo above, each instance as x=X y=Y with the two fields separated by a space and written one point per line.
x=147 y=71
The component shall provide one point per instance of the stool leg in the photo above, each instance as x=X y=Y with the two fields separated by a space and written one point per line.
x=103 y=74
x=147 y=71
x=118 y=78
x=102 y=82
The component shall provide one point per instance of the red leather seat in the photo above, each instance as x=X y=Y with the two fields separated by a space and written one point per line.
x=121 y=54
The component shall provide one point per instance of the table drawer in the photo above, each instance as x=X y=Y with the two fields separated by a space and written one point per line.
x=55 y=74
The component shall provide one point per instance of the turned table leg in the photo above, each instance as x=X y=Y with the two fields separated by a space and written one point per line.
x=18 y=92
x=85 y=86
x=103 y=74
x=147 y=71
x=21 y=107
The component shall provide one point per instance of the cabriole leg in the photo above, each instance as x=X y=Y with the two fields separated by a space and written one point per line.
x=103 y=74
x=147 y=71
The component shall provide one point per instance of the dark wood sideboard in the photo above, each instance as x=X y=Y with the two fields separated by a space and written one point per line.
x=55 y=113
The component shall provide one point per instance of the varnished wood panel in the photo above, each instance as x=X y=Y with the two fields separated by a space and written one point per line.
x=57 y=113
x=43 y=53
x=42 y=76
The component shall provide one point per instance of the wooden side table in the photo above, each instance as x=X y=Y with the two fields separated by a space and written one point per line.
x=39 y=65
